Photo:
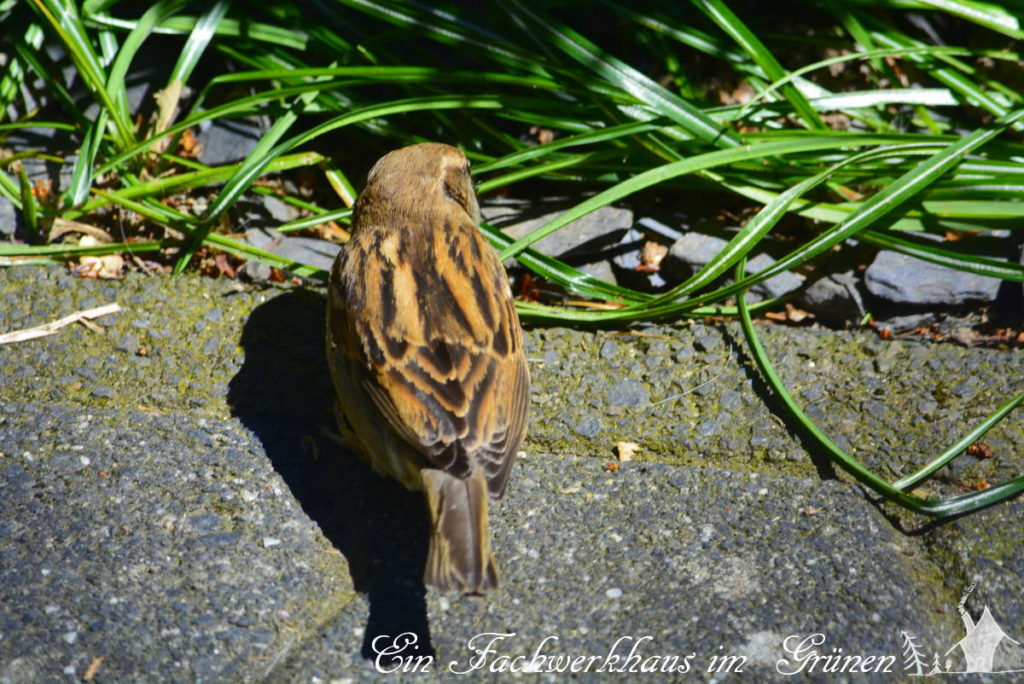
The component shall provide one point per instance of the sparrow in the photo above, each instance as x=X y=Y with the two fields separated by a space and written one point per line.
x=426 y=353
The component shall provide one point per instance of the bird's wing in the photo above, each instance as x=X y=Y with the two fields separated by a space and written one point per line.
x=443 y=344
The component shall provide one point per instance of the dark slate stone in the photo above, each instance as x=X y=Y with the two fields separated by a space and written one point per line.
x=902 y=279
x=692 y=251
x=834 y=299
x=310 y=251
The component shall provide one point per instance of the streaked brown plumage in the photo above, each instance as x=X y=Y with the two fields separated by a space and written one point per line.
x=426 y=353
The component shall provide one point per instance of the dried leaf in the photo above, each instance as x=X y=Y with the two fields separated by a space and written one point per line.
x=651 y=255
x=542 y=135
x=626 y=450
x=166 y=107
x=93 y=669
x=333 y=232
x=223 y=266
x=42 y=190
x=62 y=227
x=189 y=145
x=106 y=266
x=980 y=450
x=797 y=315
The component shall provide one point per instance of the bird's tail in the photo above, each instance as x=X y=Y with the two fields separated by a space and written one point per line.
x=460 y=543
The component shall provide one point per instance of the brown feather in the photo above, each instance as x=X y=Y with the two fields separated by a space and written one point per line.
x=426 y=352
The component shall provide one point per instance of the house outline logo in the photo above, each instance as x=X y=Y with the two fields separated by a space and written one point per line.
x=978 y=646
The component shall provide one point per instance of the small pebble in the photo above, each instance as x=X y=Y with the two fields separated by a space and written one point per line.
x=103 y=392
x=613 y=593
x=271 y=541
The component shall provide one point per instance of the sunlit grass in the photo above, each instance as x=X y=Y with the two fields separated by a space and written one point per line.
x=864 y=127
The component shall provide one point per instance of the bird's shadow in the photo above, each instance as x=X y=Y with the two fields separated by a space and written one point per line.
x=283 y=394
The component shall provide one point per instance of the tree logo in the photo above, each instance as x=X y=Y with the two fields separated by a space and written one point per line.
x=979 y=645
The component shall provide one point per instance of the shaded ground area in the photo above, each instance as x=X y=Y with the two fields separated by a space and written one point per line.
x=171 y=502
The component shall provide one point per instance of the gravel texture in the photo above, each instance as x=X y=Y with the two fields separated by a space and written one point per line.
x=171 y=500
x=164 y=543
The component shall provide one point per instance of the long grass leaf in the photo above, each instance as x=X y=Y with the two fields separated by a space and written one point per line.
x=624 y=76
x=65 y=20
x=198 y=39
x=727 y=20
x=956 y=449
x=955 y=505
x=83 y=171
x=983 y=266
x=887 y=200
x=115 y=86
x=659 y=174
x=255 y=162
x=259 y=32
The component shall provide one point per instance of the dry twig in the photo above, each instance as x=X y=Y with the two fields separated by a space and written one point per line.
x=82 y=317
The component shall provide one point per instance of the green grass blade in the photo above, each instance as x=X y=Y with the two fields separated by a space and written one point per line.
x=315 y=220
x=762 y=222
x=738 y=31
x=83 y=171
x=659 y=174
x=259 y=32
x=450 y=31
x=14 y=77
x=29 y=207
x=949 y=506
x=588 y=138
x=10 y=190
x=984 y=266
x=567 y=276
x=887 y=200
x=249 y=252
x=623 y=76
x=253 y=165
x=65 y=21
x=70 y=251
x=952 y=452
x=984 y=14
x=198 y=40
x=115 y=86
x=41 y=65
x=160 y=187
x=967 y=89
